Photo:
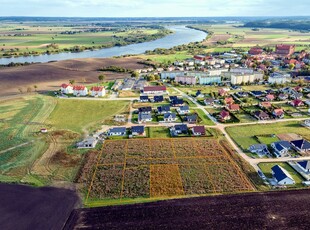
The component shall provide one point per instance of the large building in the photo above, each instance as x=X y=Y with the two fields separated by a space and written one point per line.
x=237 y=79
x=255 y=51
x=285 y=50
x=154 y=89
x=279 y=78
x=188 y=80
x=209 y=80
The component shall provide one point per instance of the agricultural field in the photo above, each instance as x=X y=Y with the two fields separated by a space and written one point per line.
x=142 y=170
x=80 y=115
x=244 y=136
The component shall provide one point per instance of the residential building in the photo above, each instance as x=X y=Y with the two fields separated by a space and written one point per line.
x=255 y=51
x=297 y=103
x=97 y=91
x=199 y=131
x=144 y=117
x=209 y=80
x=278 y=113
x=187 y=80
x=224 y=115
x=138 y=130
x=117 y=131
x=145 y=110
x=183 y=110
x=281 y=148
x=282 y=97
x=170 y=117
x=223 y=92
x=304 y=165
x=302 y=146
x=257 y=93
x=80 y=90
x=179 y=129
x=158 y=98
x=261 y=115
x=282 y=176
x=233 y=107
x=265 y=104
x=259 y=149
x=229 y=101
x=154 y=89
x=307 y=123
x=192 y=119
x=89 y=142
x=209 y=101
x=66 y=89
x=279 y=78
x=177 y=102
x=144 y=98
x=163 y=109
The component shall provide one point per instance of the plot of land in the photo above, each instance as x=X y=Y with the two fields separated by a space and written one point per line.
x=147 y=169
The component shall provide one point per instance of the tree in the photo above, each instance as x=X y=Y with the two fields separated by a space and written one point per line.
x=101 y=77
x=157 y=77
x=291 y=66
x=135 y=74
x=151 y=77
x=20 y=90
x=35 y=88
x=72 y=82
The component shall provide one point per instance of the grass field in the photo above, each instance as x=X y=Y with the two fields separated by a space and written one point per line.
x=152 y=169
x=78 y=115
x=244 y=135
x=266 y=169
x=204 y=118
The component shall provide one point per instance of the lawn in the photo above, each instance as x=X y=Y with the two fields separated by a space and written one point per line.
x=76 y=115
x=158 y=132
x=266 y=169
x=244 y=135
x=204 y=118
x=267 y=139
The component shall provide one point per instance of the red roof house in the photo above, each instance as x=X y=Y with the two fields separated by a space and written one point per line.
x=229 y=101
x=297 y=103
x=285 y=50
x=154 y=89
x=199 y=130
x=256 y=51
x=224 y=115
x=234 y=107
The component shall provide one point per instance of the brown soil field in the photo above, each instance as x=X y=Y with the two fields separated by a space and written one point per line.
x=215 y=38
x=49 y=76
x=272 y=210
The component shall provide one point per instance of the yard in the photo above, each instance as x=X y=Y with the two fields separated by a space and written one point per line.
x=244 y=136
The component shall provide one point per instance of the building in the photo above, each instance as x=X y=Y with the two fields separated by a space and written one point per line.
x=154 y=89
x=144 y=117
x=261 y=115
x=117 y=131
x=282 y=176
x=209 y=101
x=66 y=89
x=179 y=129
x=89 y=142
x=163 y=109
x=177 y=102
x=170 y=117
x=255 y=51
x=183 y=110
x=281 y=148
x=279 y=78
x=138 y=130
x=307 y=123
x=259 y=149
x=97 y=91
x=223 y=92
x=158 y=98
x=187 y=80
x=278 y=113
x=144 y=98
x=146 y=110
x=265 y=104
x=238 y=79
x=233 y=107
x=209 y=80
x=297 y=103
x=80 y=90
x=285 y=50
x=304 y=165
x=302 y=146
x=199 y=131
x=192 y=119
x=229 y=101
x=224 y=115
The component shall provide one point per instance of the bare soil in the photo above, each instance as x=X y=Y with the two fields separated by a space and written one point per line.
x=272 y=210
x=49 y=76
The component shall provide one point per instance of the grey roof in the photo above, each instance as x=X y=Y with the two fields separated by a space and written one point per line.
x=257 y=147
x=184 y=108
x=143 y=116
x=118 y=130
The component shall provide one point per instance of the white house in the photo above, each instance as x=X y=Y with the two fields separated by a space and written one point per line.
x=117 y=131
x=80 y=90
x=281 y=148
x=282 y=176
x=97 y=91
x=66 y=88
x=183 y=110
x=169 y=117
x=304 y=165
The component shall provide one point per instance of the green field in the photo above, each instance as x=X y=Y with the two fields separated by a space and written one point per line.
x=266 y=169
x=78 y=115
x=244 y=135
x=205 y=119
x=158 y=132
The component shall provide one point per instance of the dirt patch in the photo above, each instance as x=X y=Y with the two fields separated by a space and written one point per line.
x=49 y=76
x=65 y=159
x=289 y=137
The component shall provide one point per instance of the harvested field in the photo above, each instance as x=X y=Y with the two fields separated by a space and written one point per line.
x=277 y=210
x=146 y=169
x=289 y=136
x=49 y=76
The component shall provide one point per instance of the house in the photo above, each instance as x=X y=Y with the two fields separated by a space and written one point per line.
x=255 y=51
x=177 y=102
x=270 y=97
x=282 y=96
x=307 y=123
x=257 y=93
x=261 y=115
x=145 y=110
x=282 y=176
x=163 y=109
x=296 y=95
x=307 y=102
x=179 y=129
x=154 y=89
x=183 y=109
x=223 y=92
x=242 y=94
x=170 y=117
x=144 y=98
x=224 y=115
x=117 y=131
x=285 y=50
x=265 y=104
x=199 y=131
x=97 y=91
x=158 y=98
x=172 y=98
x=191 y=118
x=304 y=165
x=278 y=113
x=66 y=89
x=80 y=90
x=234 y=107
x=259 y=149
x=281 y=148
x=144 y=117
x=297 y=103
x=302 y=146
x=89 y=142
x=229 y=101
x=138 y=130
x=209 y=101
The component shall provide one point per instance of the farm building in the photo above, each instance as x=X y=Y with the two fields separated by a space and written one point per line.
x=117 y=131
x=97 y=91
x=89 y=142
x=199 y=131
x=281 y=148
x=304 y=165
x=66 y=89
x=154 y=89
x=80 y=90
x=138 y=130
x=282 y=176
x=302 y=145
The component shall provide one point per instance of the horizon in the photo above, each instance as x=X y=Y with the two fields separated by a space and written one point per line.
x=148 y=8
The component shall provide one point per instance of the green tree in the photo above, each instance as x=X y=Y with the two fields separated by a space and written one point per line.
x=291 y=66
x=135 y=74
x=101 y=77
x=72 y=82
x=35 y=88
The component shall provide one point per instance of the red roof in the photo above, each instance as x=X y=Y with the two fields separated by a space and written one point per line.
x=297 y=102
x=79 y=87
x=265 y=104
x=270 y=97
x=284 y=47
x=97 y=88
x=64 y=85
x=278 y=112
x=234 y=107
x=199 y=129
x=222 y=91
x=154 y=88
x=224 y=114
x=229 y=100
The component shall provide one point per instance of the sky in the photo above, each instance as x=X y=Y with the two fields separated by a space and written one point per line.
x=154 y=8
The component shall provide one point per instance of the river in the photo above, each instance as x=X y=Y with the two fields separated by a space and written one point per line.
x=181 y=35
